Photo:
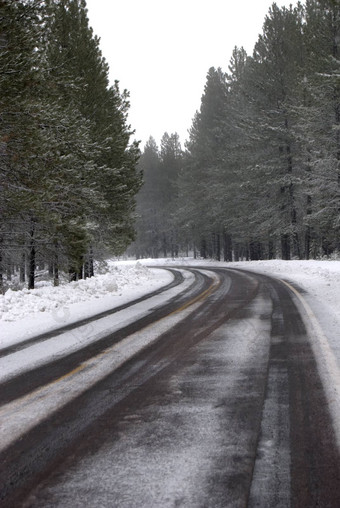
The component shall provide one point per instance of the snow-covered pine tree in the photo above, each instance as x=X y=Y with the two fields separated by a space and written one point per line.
x=171 y=161
x=237 y=156
x=197 y=212
x=277 y=63
x=74 y=49
x=68 y=170
x=148 y=242
x=319 y=124
x=20 y=83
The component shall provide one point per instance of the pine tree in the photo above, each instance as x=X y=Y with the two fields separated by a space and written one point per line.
x=277 y=63
x=68 y=171
x=75 y=50
x=20 y=87
x=149 y=203
x=171 y=161
x=319 y=124
x=262 y=161
x=201 y=162
x=156 y=201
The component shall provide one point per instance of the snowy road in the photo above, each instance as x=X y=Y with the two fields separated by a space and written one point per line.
x=205 y=394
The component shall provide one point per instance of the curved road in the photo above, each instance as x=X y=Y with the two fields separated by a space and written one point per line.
x=211 y=398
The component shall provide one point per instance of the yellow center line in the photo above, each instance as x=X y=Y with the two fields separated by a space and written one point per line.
x=80 y=367
x=68 y=374
x=202 y=296
x=214 y=285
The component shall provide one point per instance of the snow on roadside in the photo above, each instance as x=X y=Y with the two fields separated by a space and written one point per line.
x=18 y=304
x=319 y=293
x=25 y=313
x=318 y=285
x=319 y=281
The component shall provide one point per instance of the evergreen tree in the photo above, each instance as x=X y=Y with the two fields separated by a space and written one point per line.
x=74 y=49
x=149 y=203
x=261 y=166
x=319 y=124
x=20 y=86
x=276 y=66
x=156 y=202
x=171 y=161
x=202 y=162
x=68 y=171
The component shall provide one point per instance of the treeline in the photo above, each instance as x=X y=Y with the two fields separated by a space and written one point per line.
x=68 y=172
x=157 y=231
x=260 y=174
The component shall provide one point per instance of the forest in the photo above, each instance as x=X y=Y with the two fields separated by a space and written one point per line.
x=259 y=176
x=68 y=167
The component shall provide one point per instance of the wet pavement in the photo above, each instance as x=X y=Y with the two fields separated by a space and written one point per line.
x=225 y=409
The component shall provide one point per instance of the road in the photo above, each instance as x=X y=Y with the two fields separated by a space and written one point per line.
x=209 y=397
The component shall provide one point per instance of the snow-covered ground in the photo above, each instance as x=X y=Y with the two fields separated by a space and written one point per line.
x=25 y=314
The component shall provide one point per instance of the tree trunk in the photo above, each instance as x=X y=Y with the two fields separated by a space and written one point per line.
x=271 y=253
x=227 y=247
x=236 y=253
x=203 y=251
x=1 y=269
x=87 y=267
x=285 y=247
x=72 y=274
x=91 y=262
x=80 y=268
x=31 y=258
x=164 y=246
x=56 y=274
x=308 y=231
x=56 y=265
x=326 y=247
x=285 y=242
x=22 y=267
x=218 y=247
x=172 y=245
x=255 y=250
x=247 y=252
x=9 y=269
x=307 y=242
x=295 y=236
x=210 y=247
x=337 y=121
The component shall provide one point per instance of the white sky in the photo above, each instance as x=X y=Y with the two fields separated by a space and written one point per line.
x=161 y=50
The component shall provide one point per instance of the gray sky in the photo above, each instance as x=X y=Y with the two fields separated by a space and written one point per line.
x=161 y=50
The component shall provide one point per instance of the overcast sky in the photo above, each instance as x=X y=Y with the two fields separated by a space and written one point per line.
x=161 y=50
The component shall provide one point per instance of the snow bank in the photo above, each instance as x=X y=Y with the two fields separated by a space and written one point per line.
x=25 y=314
x=320 y=282
x=15 y=305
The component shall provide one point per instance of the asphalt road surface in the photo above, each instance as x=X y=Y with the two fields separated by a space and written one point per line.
x=219 y=403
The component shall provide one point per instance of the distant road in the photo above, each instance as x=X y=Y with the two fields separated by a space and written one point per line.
x=209 y=396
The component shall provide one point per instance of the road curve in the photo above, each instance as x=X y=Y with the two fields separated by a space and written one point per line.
x=13 y=348
x=224 y=408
